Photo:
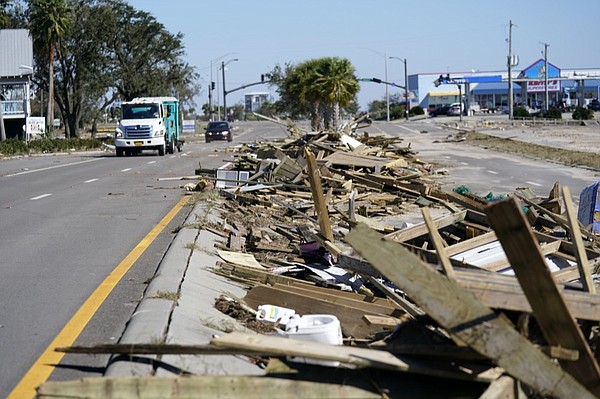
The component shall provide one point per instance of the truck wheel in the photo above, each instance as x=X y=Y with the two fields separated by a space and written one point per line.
x=119 y=151
x=179 y=146
x=171 y=146
x=161 y=150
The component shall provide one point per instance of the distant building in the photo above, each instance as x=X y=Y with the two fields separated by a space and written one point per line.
x=16 y=68
x=490 y=88
x=253 y=101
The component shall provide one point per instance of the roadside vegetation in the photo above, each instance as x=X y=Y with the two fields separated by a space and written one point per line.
x=536 y=151
x=14 y=147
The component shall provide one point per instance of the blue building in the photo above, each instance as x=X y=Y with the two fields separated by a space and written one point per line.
x=489 y=89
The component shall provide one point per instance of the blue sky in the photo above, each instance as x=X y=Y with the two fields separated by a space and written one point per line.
x=433 y=36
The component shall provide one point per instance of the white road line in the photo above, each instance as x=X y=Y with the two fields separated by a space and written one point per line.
x=492 y=172
x=39 y=197
x=533 y=183
x=151 y=162
x=52 y=167
x=464 y=163
x=90 y=181
x=125 y=170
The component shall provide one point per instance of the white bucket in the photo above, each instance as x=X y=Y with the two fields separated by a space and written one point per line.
x=322 y=328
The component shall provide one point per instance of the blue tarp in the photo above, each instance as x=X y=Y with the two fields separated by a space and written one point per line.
x=589 y=208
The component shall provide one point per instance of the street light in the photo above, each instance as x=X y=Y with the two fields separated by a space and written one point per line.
x=223 y=65
x=406 y=104
x=387 y=94
x=211 y=86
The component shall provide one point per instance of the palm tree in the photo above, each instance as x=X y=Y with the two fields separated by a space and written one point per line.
x=336 y=85
x=49 y=21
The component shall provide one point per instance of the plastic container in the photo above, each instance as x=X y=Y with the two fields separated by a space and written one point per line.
x=322 y=328
x=274 y=313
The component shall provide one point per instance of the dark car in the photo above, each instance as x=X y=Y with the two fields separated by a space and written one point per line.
x=594 y=105
x=443 y=110
x=218 y=130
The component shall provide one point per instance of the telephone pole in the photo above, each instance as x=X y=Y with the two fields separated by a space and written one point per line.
x=546 y=77
x=510 y=62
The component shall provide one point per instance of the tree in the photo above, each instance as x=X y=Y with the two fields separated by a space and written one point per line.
x=336 y=84
x=317 y=87
x=49 y=22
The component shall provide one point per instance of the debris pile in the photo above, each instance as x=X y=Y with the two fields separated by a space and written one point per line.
x=438 y=294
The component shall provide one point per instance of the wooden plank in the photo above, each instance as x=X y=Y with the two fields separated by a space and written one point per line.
x=239 y=258
x=344 y=158
x=438 y=244
x=318 y=198
x=549 y=307
x=582 y=261
x=335 y=296
x=381 y=321
x=463 y=316
x=360 y=357
x=471 y=243
x=202 y=387
x=421 y=229
x=494 y=290
x=504 y=387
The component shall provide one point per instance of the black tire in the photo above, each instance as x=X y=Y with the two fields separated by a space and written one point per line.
x=207 y=140
x=119 y=151
x=161 y=150
x=171 y=147
x=128 y=152
x=230 y=137
x=178 y=146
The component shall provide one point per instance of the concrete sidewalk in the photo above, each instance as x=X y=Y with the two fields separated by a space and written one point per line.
x=192 y=319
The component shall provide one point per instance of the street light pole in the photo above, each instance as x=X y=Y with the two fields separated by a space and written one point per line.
x=223 y=64
x=406 y=103
x=210 y=88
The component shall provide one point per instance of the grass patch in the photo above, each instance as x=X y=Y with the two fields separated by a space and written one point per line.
x=530 y=150
x=168 y=295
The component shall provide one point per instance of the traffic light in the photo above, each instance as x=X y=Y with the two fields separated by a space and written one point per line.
x=212 y=85
x=262 y=78
x=376 y=80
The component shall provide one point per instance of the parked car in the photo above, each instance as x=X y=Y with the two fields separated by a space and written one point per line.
x=443 y=110
x=218 y=130
x=594 y=105
x=455 y=109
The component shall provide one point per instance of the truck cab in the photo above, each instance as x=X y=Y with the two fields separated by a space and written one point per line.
x=149 y=123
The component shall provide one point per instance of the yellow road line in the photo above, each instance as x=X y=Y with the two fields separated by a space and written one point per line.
x=44 y=365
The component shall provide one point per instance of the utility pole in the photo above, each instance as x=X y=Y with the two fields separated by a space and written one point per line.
x=510 y=82
x=406 y=103
x=545 y=77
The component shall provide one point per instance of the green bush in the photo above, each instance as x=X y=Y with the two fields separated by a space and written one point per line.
x=417 y=110
x=520 y=112
x=13 y=147
x=553 y=113
x=581 y=113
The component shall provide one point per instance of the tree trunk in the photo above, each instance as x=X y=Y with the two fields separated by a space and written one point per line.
x=50 y=114
x=336 y=115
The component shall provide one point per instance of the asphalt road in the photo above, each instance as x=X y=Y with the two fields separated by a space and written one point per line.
x=67 y=221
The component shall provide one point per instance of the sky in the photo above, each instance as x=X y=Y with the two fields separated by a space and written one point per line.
x=432 y=36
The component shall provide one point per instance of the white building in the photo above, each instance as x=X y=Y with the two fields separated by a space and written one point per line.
x=16 y=68
x=253 y=101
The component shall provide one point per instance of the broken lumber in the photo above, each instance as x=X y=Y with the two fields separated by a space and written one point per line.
x=464 y=316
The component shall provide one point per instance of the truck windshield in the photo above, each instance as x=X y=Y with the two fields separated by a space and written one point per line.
x=140 y=111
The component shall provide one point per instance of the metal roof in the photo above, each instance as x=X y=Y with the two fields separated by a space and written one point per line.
x=16 y=53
